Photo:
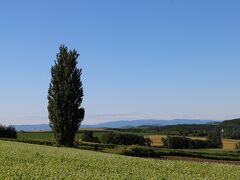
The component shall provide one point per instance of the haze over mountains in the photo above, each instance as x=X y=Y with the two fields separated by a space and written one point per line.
x=121 y=124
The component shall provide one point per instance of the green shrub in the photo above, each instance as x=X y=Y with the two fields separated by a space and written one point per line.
x=88 y=137
x=95 y=146
x=140 y=151
x=124 y=139
x=178 y=142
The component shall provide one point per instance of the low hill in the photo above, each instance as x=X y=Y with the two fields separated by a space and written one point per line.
x=230 y=123
x=28 y=161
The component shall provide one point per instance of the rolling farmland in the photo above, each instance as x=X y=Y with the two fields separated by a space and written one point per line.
x=228 y=144
x=27 y=161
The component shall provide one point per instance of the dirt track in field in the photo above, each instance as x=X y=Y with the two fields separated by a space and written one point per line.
x=178 y=158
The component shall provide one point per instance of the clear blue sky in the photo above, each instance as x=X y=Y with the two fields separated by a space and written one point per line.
x=158 y=59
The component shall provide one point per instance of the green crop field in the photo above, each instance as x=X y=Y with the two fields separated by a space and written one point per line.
x=49 y=135
x=28 y=161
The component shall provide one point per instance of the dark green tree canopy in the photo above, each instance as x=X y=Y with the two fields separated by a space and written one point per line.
x=215 y=138
x=65 y=96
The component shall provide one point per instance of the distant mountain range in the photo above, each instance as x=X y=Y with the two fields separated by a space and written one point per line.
x=32 y=127
x=121 y=124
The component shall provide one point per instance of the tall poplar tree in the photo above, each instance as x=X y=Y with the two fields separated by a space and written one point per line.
x=65 y=96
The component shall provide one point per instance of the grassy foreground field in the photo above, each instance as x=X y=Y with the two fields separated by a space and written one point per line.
x=27 y=161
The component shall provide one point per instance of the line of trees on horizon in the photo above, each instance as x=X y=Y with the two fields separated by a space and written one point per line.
x=214 y=140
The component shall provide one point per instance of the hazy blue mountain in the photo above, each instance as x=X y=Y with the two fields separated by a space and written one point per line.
x=121 y=124
x=33 y=127
x=135 y=123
